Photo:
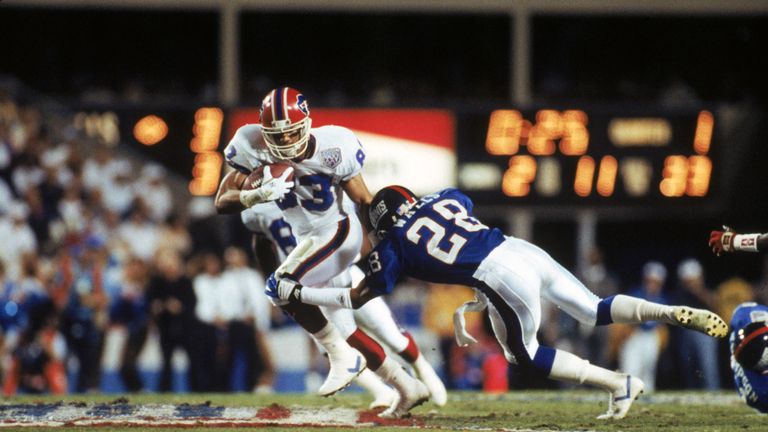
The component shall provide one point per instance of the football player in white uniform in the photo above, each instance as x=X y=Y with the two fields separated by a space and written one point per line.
x=326 y=163
x=374 y=317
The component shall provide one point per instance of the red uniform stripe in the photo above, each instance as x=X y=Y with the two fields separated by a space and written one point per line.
x=408 y=197
x=749 y=338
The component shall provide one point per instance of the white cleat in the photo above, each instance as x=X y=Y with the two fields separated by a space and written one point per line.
x=701 y=320
x=427 y=375
x=417 y=395
x=384 y=399
x=344 y=369
x=622 y=398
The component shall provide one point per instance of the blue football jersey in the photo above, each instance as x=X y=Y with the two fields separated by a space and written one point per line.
x=437 y=240
x=752 y=386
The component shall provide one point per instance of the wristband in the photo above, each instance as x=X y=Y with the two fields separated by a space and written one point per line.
x=745 y=242
x=727 y=240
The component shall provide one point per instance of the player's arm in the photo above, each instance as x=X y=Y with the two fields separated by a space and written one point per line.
x=731 y=241
x=358 y=191
x=349 y=298
x=228 y=196
x=265 y=253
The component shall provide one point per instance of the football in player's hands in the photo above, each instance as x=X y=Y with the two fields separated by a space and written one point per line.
x=256 y=177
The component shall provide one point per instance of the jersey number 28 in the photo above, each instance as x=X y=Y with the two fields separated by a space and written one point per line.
x=450 y=210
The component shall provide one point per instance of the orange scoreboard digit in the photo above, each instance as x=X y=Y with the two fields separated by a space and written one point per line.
x=597 y=156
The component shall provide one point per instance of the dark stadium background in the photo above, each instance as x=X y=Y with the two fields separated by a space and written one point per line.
x=168 y=60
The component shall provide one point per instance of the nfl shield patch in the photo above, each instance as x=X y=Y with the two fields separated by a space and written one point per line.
x=331 y=157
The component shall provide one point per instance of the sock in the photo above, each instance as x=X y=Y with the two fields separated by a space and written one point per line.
x=371 y=350
x=632 y=310
x=571 y=368
x=371 y=383
x=411 y=352
x=330 y=338
x=394 y=374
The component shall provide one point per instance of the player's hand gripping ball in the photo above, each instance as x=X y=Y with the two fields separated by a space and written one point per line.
x=267 y=183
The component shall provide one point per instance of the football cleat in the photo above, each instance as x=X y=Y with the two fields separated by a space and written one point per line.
x=383 y=395
x=384 y=399
x=416 y=395
x=427 y=375
x=622 y=398
x=701 y=320
x=344 y=369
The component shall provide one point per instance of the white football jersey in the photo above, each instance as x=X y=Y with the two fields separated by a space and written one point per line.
x=314 y=202
x=267 y=219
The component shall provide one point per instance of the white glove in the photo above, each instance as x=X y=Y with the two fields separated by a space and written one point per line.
x=271 y=189
x=463 y=338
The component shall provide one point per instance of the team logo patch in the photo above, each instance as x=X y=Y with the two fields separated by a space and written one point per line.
x=331 y=157
x=377 y=212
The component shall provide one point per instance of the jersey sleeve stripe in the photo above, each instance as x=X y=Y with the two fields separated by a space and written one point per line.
x=238 y=167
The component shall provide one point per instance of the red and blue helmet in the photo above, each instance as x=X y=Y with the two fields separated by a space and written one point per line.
x=285 y=123
x=750 y=347
x=387 y=206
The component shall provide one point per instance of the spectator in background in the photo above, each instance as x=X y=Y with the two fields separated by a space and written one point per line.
x=639 y=353
x=248 y=312
x=139 y=233
x=36 y=365
x=99 y=169
x=204 y=226
x=154 y=192
x=174 y=235
x=6 y=196
x=17 y=239
x=697 y=356
x=129 y=310
x=213 y=335
x=27 y=173
x=85 y=315
x=11 y=315
x=118 y=195
x=172 y=301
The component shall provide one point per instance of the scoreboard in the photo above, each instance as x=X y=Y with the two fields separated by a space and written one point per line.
x=596 y=157
x=591 y=157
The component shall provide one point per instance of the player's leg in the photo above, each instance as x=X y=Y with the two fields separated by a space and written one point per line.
x=513 y=280
x=563 y=289
x=343 y=319
x=346 y=362
x=316 y=259
x=411 y=391
x=376 y=318
x=327 y=254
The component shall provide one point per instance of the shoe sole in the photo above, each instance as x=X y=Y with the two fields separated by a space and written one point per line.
x=349 y=383
x=407 y=413
x=340 y=388
x=701 y=320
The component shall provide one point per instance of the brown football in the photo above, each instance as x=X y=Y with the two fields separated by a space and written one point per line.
x=254 y=179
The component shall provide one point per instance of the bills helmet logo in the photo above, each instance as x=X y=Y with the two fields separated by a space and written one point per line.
x=301 y=103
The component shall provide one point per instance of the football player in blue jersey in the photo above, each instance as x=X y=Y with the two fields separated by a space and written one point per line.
x=437 y=239
x=749 y=326
x=749 y=354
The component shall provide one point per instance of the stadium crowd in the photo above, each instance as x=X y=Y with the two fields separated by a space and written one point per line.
x=98 y=255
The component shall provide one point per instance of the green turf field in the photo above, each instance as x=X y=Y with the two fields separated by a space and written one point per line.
x=529 y=410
